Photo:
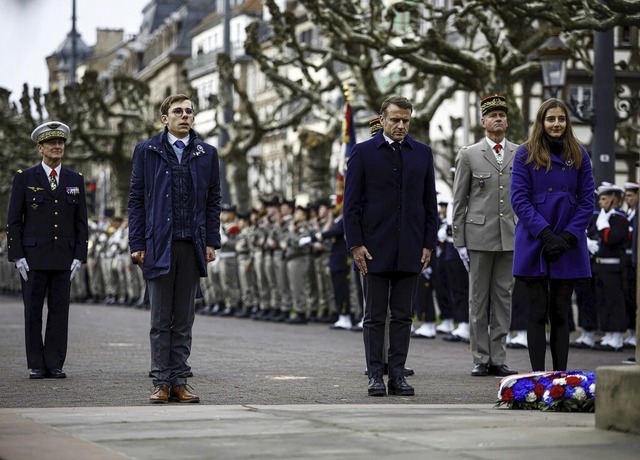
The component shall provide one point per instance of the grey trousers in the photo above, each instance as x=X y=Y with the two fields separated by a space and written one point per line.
x=172 y=297
x=490 y=286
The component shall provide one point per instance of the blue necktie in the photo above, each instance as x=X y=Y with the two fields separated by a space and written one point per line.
x=178 y=147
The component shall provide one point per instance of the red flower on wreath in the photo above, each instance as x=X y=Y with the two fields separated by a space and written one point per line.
x=573 y=380
x=556 y=391
x=539 y=390
x=507 y=394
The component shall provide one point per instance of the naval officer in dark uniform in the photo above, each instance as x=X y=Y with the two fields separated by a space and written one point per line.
x=48 y=234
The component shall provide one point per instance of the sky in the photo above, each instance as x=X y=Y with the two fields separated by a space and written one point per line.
x=31 y=30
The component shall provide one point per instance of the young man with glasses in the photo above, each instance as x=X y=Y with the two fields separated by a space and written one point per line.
x=174 y=220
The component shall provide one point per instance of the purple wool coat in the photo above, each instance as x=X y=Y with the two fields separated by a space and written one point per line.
x=562 y=199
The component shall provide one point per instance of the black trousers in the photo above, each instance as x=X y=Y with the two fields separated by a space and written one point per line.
x=55 y=285
x=549 y=299
x=384 y=292
x=612 y=314
x=519 y=306
x=458 y=279
x=340 y=284
x=423 y=306
x=587 y=305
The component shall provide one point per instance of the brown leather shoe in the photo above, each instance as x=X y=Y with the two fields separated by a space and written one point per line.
x=160 y=394
x=181 y=394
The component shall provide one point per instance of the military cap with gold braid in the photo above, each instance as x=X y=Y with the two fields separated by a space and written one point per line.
x=50 y=130
x=493 y=102
x=374 y=126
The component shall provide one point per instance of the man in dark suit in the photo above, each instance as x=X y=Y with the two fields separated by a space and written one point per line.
x=390 y=219
x=48 y=234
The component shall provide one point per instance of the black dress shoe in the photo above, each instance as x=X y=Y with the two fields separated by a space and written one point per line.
x=501 y=371
x=480 y=370
x=376 y=387
x=57 y=374
x=606 y=347
x=452 y=338
x=37 y=373
x=399 y=386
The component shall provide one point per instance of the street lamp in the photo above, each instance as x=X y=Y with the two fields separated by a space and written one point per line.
x=553 y=55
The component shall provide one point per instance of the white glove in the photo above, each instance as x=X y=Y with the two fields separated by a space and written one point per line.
x=442 y=233
x=593 y=246
x=23 y=268
x=464 y=256
x=603 y=219
x=304 y=241
x=427 y=273
x=75 y=266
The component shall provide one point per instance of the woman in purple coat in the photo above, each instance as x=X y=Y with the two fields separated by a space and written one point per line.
x=552 y=195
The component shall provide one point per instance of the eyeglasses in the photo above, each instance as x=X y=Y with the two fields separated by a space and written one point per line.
x=178 y=111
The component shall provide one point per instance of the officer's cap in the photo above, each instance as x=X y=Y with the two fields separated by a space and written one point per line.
x=493 y=102
x=50 y=130
x=610 y=190
x=227 y=207
x=631 y=186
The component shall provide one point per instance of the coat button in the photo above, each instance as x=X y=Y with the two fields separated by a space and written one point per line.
x=550 y=189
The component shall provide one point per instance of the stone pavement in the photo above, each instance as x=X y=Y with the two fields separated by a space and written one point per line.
x=272 y=391
x=306 y=432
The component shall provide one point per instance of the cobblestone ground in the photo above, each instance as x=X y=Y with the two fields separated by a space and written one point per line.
x=239 y=361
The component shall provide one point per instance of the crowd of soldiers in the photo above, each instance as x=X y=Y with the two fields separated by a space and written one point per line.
x=289 y=263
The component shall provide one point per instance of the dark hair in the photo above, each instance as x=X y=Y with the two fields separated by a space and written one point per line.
x=537 y=145
x=164 y=107
x=400 y=101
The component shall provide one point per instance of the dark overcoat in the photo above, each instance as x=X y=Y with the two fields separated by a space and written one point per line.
x=562 y=199
x=390 y=206
x=151 y=202
x=47 y=227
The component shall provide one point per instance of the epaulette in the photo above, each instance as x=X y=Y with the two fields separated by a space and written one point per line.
x=80 y=173
x=19 y=171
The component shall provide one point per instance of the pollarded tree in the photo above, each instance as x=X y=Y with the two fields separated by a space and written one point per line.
x=105 y=126
x=409 y=47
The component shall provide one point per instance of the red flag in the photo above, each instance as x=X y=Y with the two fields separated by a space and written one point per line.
x=348 y=141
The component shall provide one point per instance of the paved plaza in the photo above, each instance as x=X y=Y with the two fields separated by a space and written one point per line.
x=272 y=391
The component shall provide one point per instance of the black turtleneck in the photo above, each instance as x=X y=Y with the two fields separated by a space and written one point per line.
x=555 y=145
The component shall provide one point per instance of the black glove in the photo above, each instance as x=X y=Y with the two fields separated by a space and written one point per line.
x=569 y=239
x=553 y=247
